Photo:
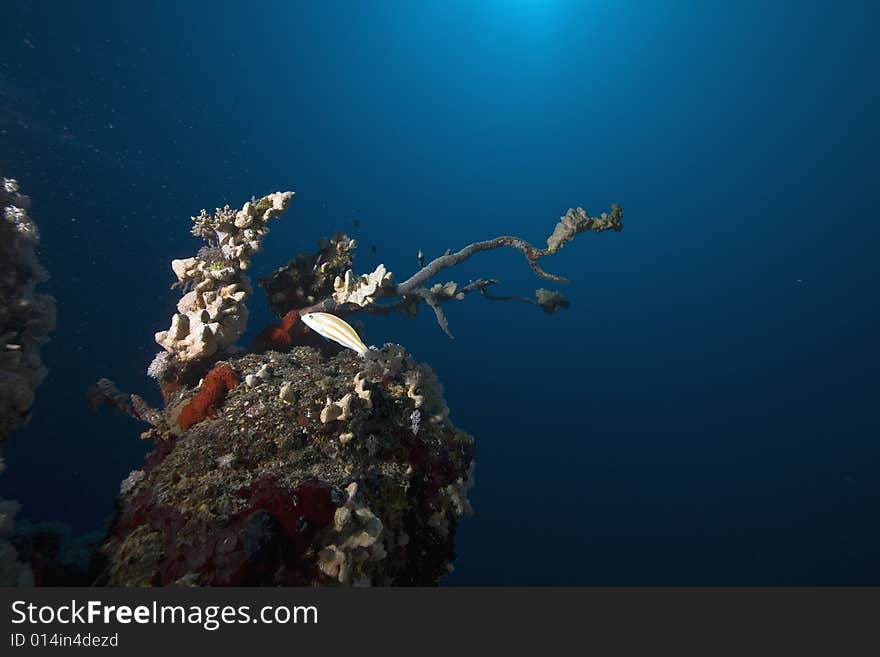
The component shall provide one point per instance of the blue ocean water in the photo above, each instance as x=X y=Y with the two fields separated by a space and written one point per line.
x=706 y=410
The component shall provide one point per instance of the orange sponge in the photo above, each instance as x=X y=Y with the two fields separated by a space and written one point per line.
x=216 y=384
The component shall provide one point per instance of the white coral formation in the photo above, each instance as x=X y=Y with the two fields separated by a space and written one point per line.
x=361 y=290
x=133 y=479
x=26 y=317
x=212 y=315
x=389 y=361
x=341 y=410
x=337 y=410
x=239 y=233
x=341 y=244
x=453 y=498
x=415 y=419
x=426 y=391
x=457 y=494
x=420 y=383
x=360 y=389
x=209 y=317
x=159 y=365
x=287 y=393
x=356 y=545
x=578 y=221
x=447 y=291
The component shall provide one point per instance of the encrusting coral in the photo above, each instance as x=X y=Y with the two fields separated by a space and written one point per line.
x=299 y=462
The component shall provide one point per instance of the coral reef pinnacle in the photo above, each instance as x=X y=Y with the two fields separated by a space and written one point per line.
x=277 y=487
x=325 y=467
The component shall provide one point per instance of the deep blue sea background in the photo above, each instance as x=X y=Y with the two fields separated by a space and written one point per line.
x=707 y=410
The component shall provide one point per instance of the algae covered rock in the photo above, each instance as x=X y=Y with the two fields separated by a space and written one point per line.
x=298 y=468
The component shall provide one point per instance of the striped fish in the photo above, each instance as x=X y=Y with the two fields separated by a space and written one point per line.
x=336 y=329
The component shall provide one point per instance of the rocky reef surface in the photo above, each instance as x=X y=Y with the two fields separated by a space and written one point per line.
x=297 y=468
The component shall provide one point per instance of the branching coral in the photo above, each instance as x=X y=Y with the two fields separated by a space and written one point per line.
x=363 y=293
x=212 y=315
x=361 y=290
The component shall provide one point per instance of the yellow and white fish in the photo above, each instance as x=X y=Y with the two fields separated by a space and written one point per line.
x=336 y=329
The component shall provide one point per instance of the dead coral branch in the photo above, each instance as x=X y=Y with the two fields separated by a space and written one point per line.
x=413 y=290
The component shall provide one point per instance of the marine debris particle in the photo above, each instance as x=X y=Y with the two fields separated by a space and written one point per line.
x=210 y=396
